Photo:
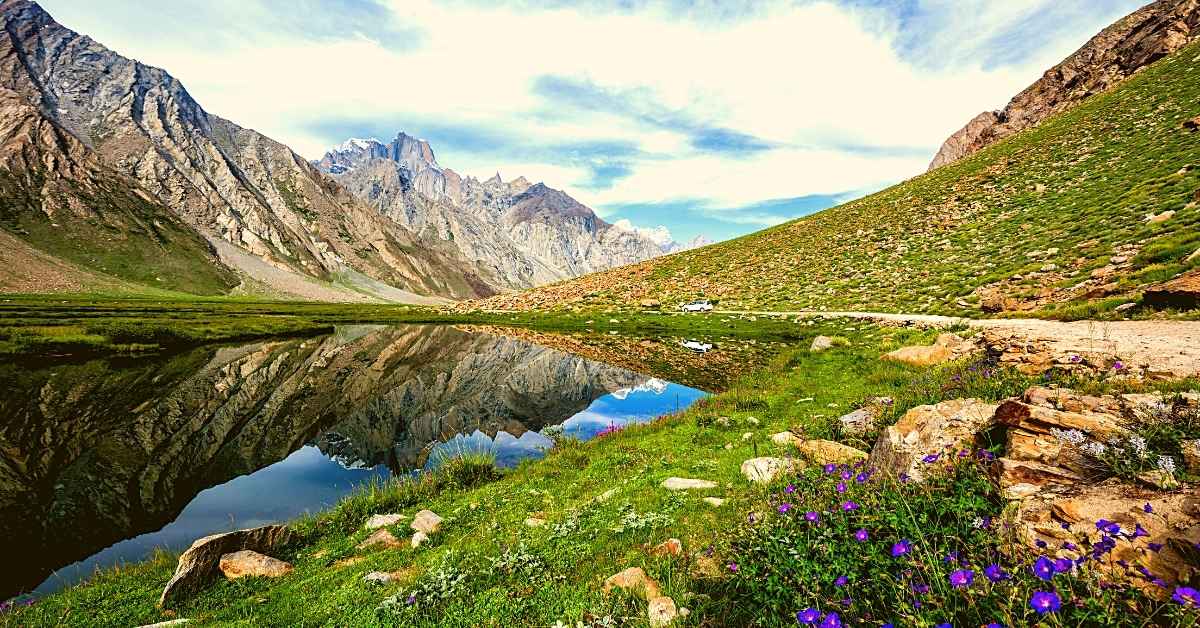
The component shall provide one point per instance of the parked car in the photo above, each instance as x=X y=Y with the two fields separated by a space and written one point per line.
x=697 y=306
x=697 y=346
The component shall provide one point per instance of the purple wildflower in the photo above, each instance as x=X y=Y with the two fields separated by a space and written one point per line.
x=901 y=548
x=733 y=567
x=841 y=487
x=1045 y=602
x=812 y=516
x=831 y=621
x=1043 y=568
x=849 y=506
x=841 y=581
x=962 y=578
x=1062 y=565
x=412 y=599
x=784 y=507
x=861 y=478
x=931 y=458
x=789 y=489
x=861 y=535
x=830 y=468
x=808 y=616
x=1148 y=508
x=995 y=573
x=1186 y=596
x=1154 y=547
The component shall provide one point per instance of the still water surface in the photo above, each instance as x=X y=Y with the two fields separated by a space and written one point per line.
x=103 y=461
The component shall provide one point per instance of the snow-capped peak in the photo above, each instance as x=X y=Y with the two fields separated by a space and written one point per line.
x=356 y=143
x=659 y=235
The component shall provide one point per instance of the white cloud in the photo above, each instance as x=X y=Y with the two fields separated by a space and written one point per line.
x=836 y=88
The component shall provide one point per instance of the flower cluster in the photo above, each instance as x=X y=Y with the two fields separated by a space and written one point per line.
x=866 y=556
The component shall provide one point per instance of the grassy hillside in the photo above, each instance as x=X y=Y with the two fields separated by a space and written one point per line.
x=1029 y=220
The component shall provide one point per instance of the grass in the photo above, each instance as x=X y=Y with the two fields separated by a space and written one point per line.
x=80 y=324
x=1066 y=196
x=604 y=508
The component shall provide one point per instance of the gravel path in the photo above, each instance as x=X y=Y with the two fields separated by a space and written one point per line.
x=1167 y=347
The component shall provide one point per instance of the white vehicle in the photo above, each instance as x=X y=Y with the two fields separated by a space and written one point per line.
x=697 y=346
x=696 y=306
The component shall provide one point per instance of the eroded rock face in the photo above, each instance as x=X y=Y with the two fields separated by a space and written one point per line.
x=200 y=564
x=1182 y=293
x=929 y=431
x=1118 y=52
x=1173 y=522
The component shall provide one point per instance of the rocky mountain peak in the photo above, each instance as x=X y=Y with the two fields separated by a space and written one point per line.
x=1119 y=51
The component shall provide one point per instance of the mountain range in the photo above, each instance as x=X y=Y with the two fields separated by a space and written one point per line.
x=114 y=177
x=525 y=234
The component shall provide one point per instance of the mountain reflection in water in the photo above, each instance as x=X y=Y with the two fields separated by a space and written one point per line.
x=103 y=461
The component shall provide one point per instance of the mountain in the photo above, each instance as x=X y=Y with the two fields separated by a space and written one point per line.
x=268 y=213
x=1118 y=52
x=525 y=234
x=1073 y=217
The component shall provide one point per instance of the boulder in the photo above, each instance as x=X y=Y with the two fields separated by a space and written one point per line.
x=634 y=581
x=385 y=577
x=382 y=521
x=1155 y=219
x=929 y=430
x=821 y=343
x=1181 y=293
x=1191 y=455
x=383 y=537
x=250 y=563
x=684 y=484
x=661 y=611
x=427 y=521
x=418 y=539
x=1173 y=522
x=765 y=470
x=785 y=439
x=946 y=348
x=669 y=547
x=200 y=564
x=651 y=304
x=826 y=451
x=862 y=421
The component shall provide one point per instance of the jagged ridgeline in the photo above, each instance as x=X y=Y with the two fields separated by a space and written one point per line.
x=1076 y=215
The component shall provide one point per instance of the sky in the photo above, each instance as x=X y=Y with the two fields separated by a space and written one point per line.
x=709 y=117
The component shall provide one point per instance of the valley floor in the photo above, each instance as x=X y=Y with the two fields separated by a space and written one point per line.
x=535 y=545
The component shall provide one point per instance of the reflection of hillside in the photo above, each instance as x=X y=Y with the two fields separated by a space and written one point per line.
x=661 y=356
x=94 y=453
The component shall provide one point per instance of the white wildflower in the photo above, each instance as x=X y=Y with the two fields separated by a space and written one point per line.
x=1139 y=446
x=977 y=523
x=1073 y=437
x=1166 y=464
x=1093 y=448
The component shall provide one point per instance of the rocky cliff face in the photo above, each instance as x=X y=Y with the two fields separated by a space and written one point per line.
x=1139 y=39
x=229 y=183
x=94 y=453
x=527 y=235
